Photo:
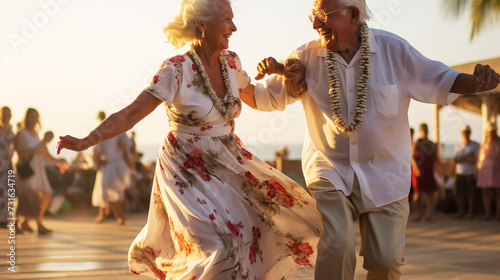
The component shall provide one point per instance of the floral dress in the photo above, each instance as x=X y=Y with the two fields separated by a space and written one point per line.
x=217 y=211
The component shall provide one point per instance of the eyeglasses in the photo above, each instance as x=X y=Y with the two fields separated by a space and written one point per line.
x=321 y=15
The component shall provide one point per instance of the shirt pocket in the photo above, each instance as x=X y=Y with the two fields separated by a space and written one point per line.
x=385 y=103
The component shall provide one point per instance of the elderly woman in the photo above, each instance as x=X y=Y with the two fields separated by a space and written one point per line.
x=217 y=211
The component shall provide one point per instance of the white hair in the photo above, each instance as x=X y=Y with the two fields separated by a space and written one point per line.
x=182 y=29
x=364 y=12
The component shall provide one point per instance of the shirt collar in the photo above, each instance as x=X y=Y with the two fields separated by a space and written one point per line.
x=371 y=38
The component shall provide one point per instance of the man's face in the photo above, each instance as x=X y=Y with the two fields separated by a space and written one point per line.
x=337 y=30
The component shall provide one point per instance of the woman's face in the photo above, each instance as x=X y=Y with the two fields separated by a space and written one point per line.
x=32 y=119
x=6 y=115
x=220 y=27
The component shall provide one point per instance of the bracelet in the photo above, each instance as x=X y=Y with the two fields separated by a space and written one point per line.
x=98 y=135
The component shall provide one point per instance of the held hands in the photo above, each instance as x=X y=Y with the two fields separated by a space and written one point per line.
x=295 y=77
x=294 y=73
x=485 y=78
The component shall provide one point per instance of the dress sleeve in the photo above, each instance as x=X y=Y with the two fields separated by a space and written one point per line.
x=242 y=78
x=165 y=83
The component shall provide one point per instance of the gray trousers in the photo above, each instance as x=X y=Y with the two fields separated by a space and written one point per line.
x=382 y=234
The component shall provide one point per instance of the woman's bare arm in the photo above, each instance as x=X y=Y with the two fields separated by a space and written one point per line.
x=116 y=124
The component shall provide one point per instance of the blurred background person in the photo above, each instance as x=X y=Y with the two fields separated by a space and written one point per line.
x=412 y=197
x=488 y=179
x=59 y=179
x=425 y=157
x=34 y=191
x=6 y=153
x=134 y=190
x=112 y=177
x=79 y=190
x=283 y=153
x=464 y=165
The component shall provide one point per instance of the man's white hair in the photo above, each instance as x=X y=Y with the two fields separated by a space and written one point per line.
x=364 y=12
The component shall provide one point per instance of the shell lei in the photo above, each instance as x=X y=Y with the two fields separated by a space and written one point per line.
x=361 y=88
x=225 y=108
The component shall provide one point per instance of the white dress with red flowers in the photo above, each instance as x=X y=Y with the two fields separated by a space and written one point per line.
x=217 y=211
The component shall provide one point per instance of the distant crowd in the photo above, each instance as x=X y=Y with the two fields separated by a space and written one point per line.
x=113 y=177
x=44 y=183
x=466 y=185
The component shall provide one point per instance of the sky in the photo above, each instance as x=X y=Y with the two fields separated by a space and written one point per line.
x=71 y=58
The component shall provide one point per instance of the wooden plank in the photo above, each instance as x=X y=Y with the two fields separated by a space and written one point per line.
x=82 y=250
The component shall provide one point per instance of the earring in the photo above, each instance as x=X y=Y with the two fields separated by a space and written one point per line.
x=203 y=34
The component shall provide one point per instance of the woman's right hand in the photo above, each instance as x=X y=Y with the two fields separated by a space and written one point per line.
x=269 y=66
x=72 y=143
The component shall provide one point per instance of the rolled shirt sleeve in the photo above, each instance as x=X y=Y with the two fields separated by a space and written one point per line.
x=428 y=79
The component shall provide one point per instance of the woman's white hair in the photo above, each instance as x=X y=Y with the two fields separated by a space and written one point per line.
x=364 y=12
x=182 y=29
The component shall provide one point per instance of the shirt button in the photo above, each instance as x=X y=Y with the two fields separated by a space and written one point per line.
x=353 y=143
x=353 y=162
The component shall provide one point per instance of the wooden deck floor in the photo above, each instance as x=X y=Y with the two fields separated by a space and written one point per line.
x=79 y=249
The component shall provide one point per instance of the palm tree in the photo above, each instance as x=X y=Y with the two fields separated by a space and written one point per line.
x=480 y=12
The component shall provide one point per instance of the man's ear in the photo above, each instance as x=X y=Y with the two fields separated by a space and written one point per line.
x=355 y=14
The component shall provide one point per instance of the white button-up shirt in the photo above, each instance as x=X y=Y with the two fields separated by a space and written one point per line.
x=379 y=151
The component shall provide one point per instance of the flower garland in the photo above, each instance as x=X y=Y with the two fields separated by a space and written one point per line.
x=362 y=85
x=225 y=108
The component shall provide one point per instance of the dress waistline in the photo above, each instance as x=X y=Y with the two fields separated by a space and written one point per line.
x=214 y=130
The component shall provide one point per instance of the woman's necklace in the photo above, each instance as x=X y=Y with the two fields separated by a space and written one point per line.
x=225 y=108
x=362 y=85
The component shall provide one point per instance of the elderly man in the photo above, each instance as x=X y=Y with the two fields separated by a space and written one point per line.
x=356 y=156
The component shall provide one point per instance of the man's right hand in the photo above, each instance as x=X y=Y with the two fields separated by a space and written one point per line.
x=295 y=75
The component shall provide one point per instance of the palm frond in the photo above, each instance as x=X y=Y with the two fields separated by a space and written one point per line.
x=482 y=13
x=455 y=7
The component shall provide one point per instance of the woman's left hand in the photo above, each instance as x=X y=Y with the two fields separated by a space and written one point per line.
x=72 y=143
